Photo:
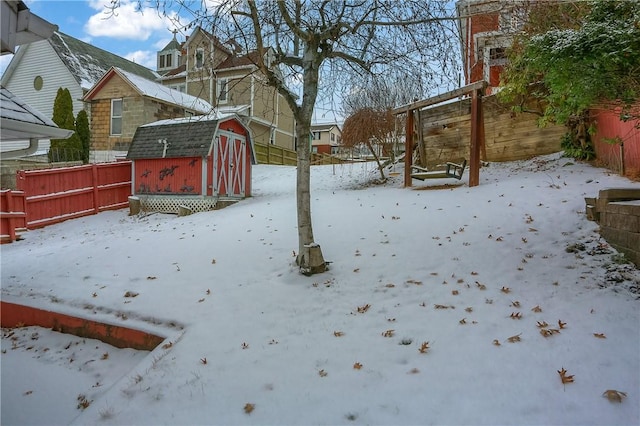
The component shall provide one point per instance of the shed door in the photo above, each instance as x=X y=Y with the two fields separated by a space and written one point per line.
x=229 y=165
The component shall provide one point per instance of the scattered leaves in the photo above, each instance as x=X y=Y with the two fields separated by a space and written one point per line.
x=536 y=309
x=29 y=392
x=105 y=356
x=248 y=407
x=444 y=306
x=542 y=324
x=203 y=360
x=614 y=395
x=167 y=345
x=561 y=324
x=201 y=300
x=600 y=335
x=564 y=377
x=416 y=282
x=424 y=348
x=515 y=315
x=130 y=294
x=364 y=308
x=208 y=292
x=468 y=309
x=338 y=333
x=455 y=292
x=388 y=333
x=505 y=290
x=546 y=332
x=83 y=402
x=213 y=261
x=496 y=342
x=463 y=321
x=357 y=366
x=244 y=345
x=514 y=339
x=515 y=304
x=481 y=286
x=413 y=371
x=322 y=373
x=151 y=277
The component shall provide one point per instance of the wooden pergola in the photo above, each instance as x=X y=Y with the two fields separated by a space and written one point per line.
x=477 y=127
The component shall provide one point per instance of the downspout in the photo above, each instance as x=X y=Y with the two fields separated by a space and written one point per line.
x=31 y=149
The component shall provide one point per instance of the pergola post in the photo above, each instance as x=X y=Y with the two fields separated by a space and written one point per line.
x=477 y=137
x=408 y=148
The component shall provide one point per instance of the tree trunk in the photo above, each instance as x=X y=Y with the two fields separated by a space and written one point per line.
x=375 y=156
x=309 y=258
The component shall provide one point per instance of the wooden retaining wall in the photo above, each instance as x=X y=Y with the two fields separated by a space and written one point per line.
x=446 y=132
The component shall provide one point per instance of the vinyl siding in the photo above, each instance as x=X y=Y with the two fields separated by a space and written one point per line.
x=39 y=59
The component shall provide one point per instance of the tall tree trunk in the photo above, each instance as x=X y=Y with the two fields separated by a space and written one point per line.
x=310 y=259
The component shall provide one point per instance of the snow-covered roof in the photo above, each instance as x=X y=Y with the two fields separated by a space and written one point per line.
x=158 y=91
x=20 y=121
x=153 y=90
x=198 y=118
x=88 y=63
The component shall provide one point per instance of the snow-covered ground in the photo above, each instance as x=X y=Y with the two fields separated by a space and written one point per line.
x=449 y=306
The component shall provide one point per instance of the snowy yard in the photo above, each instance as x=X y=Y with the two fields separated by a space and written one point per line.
x=451 y=306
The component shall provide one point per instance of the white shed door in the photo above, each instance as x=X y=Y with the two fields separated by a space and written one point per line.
x=229 y=165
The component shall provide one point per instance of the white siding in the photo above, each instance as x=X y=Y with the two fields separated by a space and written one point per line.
x=39 y=59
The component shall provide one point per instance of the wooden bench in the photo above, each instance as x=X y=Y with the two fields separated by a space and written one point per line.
x=451 y=170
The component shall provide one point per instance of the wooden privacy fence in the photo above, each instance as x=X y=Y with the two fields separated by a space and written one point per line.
x=12 y=214
x=50 y=196
x=272 y=154
x=617 y=142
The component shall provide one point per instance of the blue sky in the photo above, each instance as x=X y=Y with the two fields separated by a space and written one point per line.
x=131 y=34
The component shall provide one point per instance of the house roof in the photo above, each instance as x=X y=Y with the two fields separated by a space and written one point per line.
x=326 y=127
x=151 y=89
x=234 y=61
x=174 y=44
x=88 y=63
x=19 y=121
x=208 y=35
x=186 y=137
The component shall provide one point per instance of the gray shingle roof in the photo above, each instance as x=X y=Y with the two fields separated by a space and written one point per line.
x=88 y=63
x=191 y=138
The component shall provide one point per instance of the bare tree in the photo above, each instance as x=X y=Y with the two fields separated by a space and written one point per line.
x=301 y=44
x=372 y=129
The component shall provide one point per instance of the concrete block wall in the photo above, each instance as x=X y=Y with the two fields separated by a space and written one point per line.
x=618 y=213
x=620 y=226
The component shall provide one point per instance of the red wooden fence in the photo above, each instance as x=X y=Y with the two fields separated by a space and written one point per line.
x=12 y=214
x=625 y=156
x=54 y=195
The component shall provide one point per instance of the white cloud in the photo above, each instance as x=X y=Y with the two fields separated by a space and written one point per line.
x=128 y=21
x=4 y=62
x=145 y=58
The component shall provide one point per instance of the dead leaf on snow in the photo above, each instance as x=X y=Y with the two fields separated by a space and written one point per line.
x=248 y=407
x=600 y=335
x=564 y=377
x=614 y=395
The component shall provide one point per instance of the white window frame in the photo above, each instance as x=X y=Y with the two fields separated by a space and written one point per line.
x=199 y=52
x=116 y=117
x=222 y=88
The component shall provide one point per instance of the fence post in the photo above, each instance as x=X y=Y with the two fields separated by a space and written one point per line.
x=94 y=181
x=10 y=221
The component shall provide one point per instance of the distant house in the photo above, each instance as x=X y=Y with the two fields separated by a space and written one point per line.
x=39 y=69
x=22 y=126
x=193 y=162
x=230 y=81
x=487 y=28
x=326 y=138
x=121 y=101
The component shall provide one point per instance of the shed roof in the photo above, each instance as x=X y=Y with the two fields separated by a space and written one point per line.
x=186 y=137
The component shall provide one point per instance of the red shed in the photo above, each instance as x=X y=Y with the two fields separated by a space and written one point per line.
x=193 y=162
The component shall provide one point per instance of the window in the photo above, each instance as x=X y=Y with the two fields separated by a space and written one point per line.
x=116 y=116
x=199 y=57
x=179 y=87
x=333 y=137
x=223 y=84
x=168 y=60
x=160 y=61
x=315 y=136
x=37 y=83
